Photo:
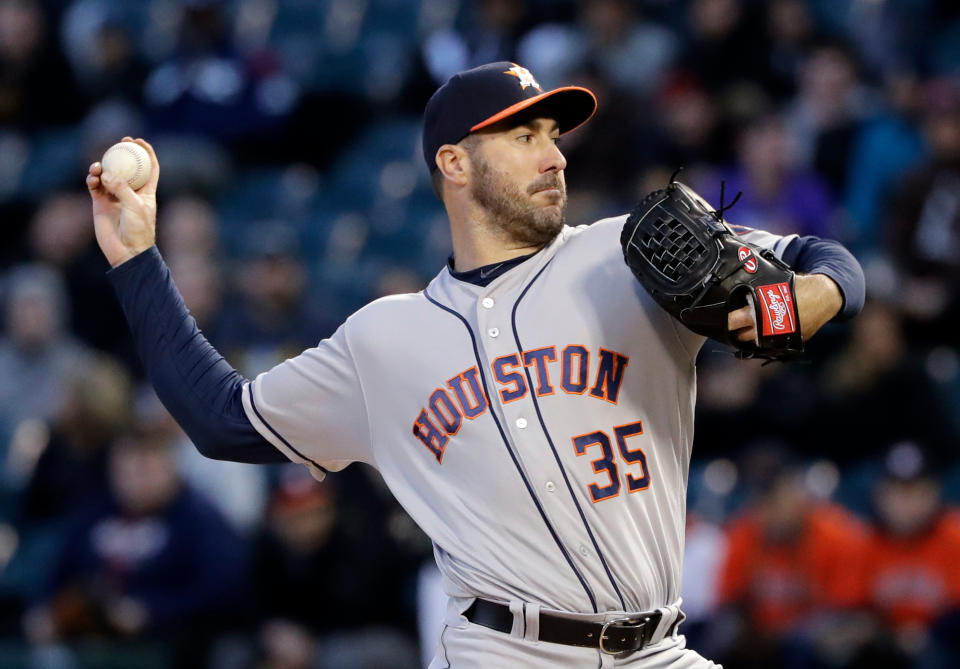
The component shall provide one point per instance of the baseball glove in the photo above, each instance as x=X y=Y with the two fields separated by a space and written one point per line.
x=694 y=266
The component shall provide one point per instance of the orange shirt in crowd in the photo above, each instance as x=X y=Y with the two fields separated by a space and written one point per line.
x=913 y=580
x=781 y=583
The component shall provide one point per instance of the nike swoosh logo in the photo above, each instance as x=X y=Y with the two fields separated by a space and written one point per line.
x=484 y=273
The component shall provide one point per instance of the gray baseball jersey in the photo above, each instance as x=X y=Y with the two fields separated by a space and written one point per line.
x=538 y=429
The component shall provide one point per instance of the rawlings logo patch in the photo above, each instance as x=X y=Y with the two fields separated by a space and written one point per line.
x=747 y=258
x=776 y=308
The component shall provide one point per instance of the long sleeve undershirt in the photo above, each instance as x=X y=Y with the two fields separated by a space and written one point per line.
x=202 y=391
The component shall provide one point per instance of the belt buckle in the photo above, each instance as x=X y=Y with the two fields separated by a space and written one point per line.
x=623 y=623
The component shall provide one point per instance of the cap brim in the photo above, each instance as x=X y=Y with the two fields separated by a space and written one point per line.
x=571 y=106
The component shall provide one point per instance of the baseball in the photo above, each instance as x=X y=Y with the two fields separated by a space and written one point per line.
x=128 y=161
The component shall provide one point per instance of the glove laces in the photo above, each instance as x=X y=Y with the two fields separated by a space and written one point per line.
x=718 y=214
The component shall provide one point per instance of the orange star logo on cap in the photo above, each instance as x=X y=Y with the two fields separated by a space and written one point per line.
x=523 y=74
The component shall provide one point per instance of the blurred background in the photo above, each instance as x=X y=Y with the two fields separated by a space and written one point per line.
x=824 y=529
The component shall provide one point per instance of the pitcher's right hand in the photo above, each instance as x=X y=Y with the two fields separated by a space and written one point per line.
x=125 y=220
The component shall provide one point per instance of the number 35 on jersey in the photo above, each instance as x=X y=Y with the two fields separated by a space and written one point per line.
x=574 y=371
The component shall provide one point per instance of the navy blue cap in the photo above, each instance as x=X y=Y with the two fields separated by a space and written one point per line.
x=479 y=97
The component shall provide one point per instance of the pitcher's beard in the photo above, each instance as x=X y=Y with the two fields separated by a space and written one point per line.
x=511 y=209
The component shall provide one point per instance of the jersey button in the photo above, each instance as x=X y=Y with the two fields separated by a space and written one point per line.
x=487 y=302
x=583 y=551
x=493 y=332
x=550 y=486
x=521 y=423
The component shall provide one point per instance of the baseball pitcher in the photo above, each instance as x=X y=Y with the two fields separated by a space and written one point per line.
x=532 y=408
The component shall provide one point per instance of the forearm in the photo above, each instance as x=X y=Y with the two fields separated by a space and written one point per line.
x=819 y=300
x=197 y=386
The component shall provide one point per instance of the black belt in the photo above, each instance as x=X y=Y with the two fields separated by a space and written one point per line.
x=623 y=635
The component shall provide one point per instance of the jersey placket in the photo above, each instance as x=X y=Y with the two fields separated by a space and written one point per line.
x=514 y=402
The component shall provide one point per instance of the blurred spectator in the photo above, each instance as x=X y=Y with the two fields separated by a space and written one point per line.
x=728 y=392
x=237 y=490
x=52 y=470
x=738 y=398
x=29 y=54
x=690 y=130
x=630 y=53
x=149 y=561
x=778 y=195
x=912 y=577
x=893 y=36
x=103 y=51
x=188 y=225
x=206 y=87
x=188 y=232
x=61 y=235
x=705 y=553
x=37 y=354
x=828 y=111
x=318 y=578
x=72 y=471
x=490 y=36
x=275 y=318
x=790 y=32
x=722 y=47
x=61 y=229
x=397 y=280
x=924 y=223
x=940 y=51
x=792 y=560
x=198 y=279
x=885 y=149
x=875 y=390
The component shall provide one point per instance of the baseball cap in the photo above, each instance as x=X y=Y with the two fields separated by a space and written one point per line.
x=479 y=97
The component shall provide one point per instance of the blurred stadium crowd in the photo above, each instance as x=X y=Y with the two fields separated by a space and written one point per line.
x=823 y=530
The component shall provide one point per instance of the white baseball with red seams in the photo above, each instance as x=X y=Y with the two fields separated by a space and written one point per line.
x=538 y=429
x=128 y=161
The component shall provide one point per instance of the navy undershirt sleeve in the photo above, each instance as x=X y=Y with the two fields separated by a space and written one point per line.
x=813 y=255
x=197 y=386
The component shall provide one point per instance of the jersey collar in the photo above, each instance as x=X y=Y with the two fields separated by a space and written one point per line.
x=482 y=276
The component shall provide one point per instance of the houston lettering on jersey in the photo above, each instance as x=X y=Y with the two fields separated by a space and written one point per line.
x=572 y=369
